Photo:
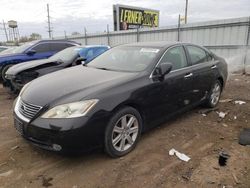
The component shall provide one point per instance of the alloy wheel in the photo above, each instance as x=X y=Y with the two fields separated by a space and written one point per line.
x=215 y=96
x=125 y=132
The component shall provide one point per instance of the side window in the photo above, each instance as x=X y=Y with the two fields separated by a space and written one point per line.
x=197 y=55
x=43 y=47
x=176 y=56
x=68 y=45
x=57 y=46
x=90 y=53
x=99 y=51
x=209 y=57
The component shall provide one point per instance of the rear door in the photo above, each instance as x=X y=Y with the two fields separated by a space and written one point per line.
x=204 y=70
x=55 y=47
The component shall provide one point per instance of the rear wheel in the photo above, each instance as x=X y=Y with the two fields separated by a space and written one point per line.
x=123 y=132
x=214 y=95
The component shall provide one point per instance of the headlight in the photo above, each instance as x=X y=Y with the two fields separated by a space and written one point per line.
x=71 y=110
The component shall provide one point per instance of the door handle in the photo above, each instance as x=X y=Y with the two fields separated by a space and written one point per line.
x=213 y=67
x=188 y=75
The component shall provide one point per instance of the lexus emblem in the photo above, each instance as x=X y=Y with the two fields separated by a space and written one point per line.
x=23 y=107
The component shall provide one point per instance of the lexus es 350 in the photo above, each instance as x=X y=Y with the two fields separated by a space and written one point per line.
x=117 y=96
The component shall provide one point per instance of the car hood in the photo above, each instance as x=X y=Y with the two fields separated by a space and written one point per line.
x=72 y=84
x=14 y=70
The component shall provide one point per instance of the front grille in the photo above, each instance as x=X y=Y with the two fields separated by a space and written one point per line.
x=28 y=110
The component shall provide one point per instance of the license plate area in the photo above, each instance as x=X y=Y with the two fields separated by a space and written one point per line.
x=19 y=126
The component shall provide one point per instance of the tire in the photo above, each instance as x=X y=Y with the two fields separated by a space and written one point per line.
x=121 y=138
x=4 y=70
x=214 y=95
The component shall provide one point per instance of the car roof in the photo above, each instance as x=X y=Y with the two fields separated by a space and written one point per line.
x=93 y=46
x=54 y=40
x=158 y=44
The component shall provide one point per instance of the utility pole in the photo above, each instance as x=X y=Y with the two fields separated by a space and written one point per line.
x=6 y=34
x=65 y=34
x=179 y=27
x=186 y=11
x=108 y=34
x=49 y=26
x=85 y=36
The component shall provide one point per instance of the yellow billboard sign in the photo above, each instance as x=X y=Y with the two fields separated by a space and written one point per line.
x=126 y=17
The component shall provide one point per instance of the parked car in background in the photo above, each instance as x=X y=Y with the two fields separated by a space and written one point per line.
x=39 y=49
x=117 y=96
x=2 y=48
x=23 y=73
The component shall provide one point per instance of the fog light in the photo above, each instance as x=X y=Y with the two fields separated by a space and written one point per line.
x=57 y=147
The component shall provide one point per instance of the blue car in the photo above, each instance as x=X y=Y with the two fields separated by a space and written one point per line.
x=19 y=75
x=39 y=49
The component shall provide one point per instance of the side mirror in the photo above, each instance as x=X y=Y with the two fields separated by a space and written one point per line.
x=31 y=52
x=82 y=60
x=165 y=68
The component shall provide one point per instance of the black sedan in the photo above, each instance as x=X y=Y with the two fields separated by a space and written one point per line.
x=20 y=74
x=117 y=96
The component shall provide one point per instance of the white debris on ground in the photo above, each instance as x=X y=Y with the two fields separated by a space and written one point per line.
x=222 y=114
x=225 y=100
x=181 y=156
x=224 y=125
x=239 y=102
x=14 y=147
x=5 y=174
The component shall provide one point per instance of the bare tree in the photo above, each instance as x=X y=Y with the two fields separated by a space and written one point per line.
x=35 y=36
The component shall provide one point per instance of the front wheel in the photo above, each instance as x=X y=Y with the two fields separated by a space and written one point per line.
x=4 y=70
x=214 y=95
x=123 y=132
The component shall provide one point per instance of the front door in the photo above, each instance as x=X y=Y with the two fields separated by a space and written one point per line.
x=173 y=93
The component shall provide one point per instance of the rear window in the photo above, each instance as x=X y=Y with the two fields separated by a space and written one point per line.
x=58 y=46
x=197 y=55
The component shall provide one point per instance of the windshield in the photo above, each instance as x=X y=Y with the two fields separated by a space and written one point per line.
x=66 y=55
x=126 y=58
x=19 y=49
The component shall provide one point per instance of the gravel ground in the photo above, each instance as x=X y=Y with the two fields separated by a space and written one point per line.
x=149 y=165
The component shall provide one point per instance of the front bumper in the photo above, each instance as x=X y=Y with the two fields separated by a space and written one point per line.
x=74 y=134
x=14 y=83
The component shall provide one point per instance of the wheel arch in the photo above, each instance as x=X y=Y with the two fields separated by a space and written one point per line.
x=134 y=105
x=220 y=79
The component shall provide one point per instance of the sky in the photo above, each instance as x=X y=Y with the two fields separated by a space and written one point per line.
x=73 y=15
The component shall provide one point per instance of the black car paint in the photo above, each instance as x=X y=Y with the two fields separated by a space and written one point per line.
x=155 y=99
